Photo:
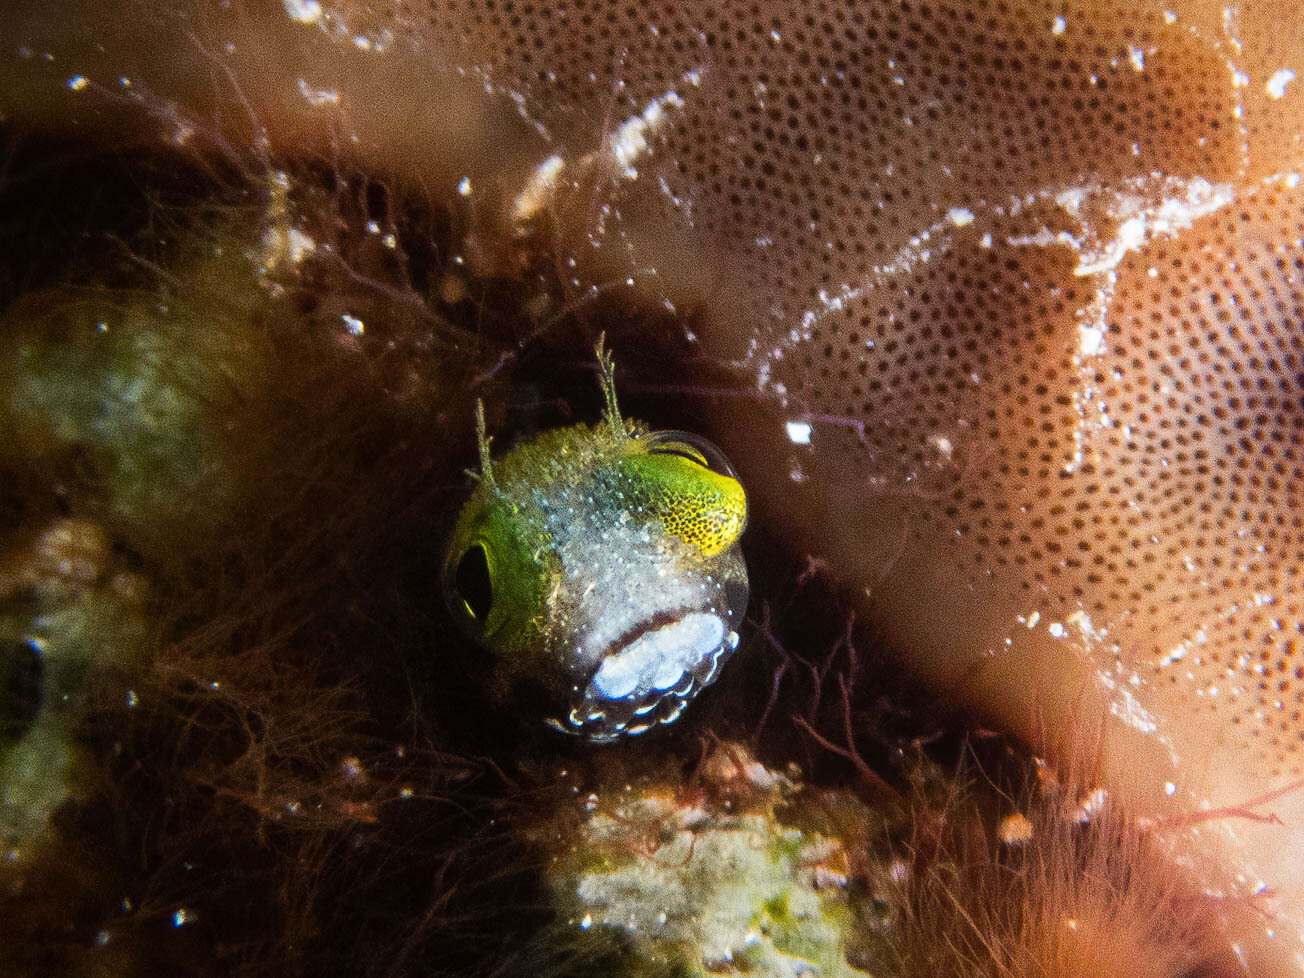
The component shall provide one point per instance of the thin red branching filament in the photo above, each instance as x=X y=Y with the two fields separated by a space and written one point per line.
x=1244 y=811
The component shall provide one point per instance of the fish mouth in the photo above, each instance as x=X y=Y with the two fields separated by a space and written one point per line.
x=650 y=677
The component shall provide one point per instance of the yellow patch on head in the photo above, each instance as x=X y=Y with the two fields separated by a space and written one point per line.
x=700 y=506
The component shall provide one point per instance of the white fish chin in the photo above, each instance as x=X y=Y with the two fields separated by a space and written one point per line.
x=652 y=678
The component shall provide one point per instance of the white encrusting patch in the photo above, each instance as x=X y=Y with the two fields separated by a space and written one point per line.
x=630 y=140
x=1140 y=222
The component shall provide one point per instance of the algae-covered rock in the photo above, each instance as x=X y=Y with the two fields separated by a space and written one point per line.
x=722 y=875
x=68 y=611
x=127 y=398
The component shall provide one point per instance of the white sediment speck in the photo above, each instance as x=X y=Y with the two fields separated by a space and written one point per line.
x=77 y=82
x=1058 y=25
x=318 y=97
x=1127 y=709
x=798 y=432
x=300 y=245
x=1276 y=85
x=304 y=11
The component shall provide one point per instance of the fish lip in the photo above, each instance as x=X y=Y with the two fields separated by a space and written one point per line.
x=603 y=719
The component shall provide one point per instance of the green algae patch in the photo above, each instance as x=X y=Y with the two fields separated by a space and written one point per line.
x=68 y=612
x=131 y=400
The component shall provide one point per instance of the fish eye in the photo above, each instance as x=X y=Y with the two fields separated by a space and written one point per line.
x=472 y=583
x=687 y=445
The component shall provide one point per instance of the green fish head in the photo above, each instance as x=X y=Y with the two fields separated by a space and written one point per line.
x=602 y=563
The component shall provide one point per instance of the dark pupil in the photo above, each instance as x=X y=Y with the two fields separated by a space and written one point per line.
x=21 y=674
x=473 y=583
